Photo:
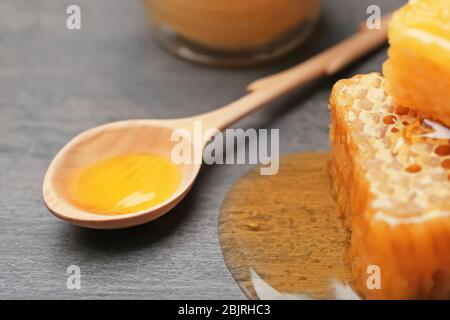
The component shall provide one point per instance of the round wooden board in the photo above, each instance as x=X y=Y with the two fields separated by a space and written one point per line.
x=285 y=227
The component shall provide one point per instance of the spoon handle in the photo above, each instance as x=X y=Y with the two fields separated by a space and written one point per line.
x=269 y=88
x=331 y=60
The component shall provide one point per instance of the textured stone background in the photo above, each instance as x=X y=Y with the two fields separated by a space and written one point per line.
x=55 y=83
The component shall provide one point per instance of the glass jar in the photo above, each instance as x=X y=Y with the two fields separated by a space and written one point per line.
x=232 y=32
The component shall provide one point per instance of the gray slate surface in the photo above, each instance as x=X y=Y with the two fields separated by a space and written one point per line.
x=55 y=83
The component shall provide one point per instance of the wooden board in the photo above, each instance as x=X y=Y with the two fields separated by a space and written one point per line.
x=285 y=227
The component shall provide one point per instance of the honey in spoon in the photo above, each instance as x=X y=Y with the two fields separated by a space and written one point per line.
x=123 y=184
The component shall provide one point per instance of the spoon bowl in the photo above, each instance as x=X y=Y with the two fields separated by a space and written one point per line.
x=114 y=139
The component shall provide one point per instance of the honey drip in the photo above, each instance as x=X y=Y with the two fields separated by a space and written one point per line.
x=124 y=184
x=285 y=229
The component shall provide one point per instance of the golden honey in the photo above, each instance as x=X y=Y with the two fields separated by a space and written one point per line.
x=124 y=184
x=233 y=24
x=418 y=69
x=231 y=32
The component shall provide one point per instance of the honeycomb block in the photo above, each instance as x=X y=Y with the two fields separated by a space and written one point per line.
x=418 y=68
x=391 y=179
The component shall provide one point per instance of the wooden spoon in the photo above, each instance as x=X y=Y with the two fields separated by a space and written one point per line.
x=154 y=136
